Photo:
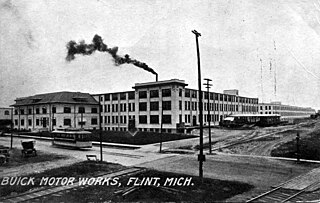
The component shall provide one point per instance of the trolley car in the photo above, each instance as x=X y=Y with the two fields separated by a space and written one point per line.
x=76 y=138
x=239 y=120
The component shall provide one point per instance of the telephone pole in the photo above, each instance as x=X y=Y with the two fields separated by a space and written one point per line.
x=201 y=157
x=208 y=107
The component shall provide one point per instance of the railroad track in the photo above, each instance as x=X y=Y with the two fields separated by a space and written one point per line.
x=31 y=196
x=250 y=138
x=280 y=194
x=283 y=193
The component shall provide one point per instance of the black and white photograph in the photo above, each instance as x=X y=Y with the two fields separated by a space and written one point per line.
x=159 y=101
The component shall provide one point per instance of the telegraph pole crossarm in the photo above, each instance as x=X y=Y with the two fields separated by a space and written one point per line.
x=208 y=85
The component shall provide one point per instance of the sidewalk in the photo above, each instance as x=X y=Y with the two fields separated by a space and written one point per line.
x=109 y=144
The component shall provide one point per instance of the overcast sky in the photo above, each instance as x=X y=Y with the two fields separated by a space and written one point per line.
x=264 y=48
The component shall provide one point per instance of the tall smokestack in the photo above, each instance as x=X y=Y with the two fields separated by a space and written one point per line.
x=98 y=45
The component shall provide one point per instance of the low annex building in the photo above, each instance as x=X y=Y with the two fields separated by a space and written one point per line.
x=58 y=109
x=5 y=117
x=286 y=112
x=168 y=105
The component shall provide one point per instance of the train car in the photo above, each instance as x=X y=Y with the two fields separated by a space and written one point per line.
x=75 y=138
x=240 y=120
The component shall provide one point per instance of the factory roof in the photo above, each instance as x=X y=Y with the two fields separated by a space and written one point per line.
x=57 y=97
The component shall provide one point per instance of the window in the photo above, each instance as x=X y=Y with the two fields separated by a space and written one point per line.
x=154 y=119
x=22 y=111
x=143 y=119
x=123 y=96
x=66 y=110
x=166 y=119
x=95 y=110
x=180 y=105
x=94 y=121
x=194 y=94
x=44 y=110
x=29 y=111
x=37 y=111
x=180 y=92
x=211 y=96
x=15 y=112
x=166 y=105
x=54 y=109
x=22 y=121
x=154 y=106
x=29 y=122
x=37 y=121
x=131 y=95
x=6 y=112
x=54 y=122
x=81 y=109
x=107 y=97
x=166 y=93
x=15 y=122
x=115 y=96
x=142 y=94
x=142 y=106
x=206 y=95
x=154 y=93
x=187 y=93
x=67 y=122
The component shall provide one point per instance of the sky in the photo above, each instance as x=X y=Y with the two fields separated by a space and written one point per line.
x=267 y=49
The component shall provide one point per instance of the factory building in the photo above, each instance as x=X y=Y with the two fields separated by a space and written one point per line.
x=287 y=112
x=56 y=110
x=168 y=105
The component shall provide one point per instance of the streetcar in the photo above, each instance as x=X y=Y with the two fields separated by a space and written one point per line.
x=239 y=120
x=75 y=138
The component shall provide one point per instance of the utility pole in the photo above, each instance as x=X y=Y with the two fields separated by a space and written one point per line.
x=298 y=147
x=201 y=157
x=100 y=129
x=208 y=106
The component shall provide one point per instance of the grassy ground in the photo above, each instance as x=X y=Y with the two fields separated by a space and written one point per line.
x=81 y=169
x=140 y=138
x=122 y=137
x=211 y=190
x=308 y=145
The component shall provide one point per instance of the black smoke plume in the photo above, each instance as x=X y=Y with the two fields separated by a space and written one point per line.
x=98 y=45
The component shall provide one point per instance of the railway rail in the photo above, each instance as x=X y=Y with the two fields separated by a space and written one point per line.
x=252 y=137
x=280 y=194
x=303 y=190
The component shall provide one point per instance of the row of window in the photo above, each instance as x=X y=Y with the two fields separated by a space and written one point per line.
x=143 y=119
x=40 y=122
x=54 y=110
x=155 y=93
x=140 y=129
x=217 y=96
x=122 y=107
x=154 y=106
x=217 y=107
x=117 y=119
x=154 y=119
x=187 y=118
x=116 y=96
